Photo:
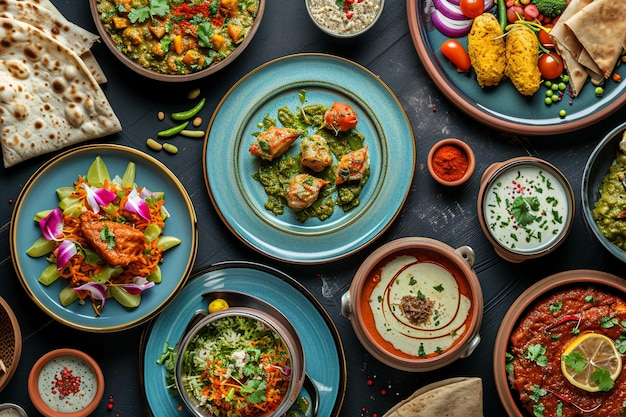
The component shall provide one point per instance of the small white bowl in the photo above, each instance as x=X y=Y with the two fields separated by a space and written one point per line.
x=12 y=410
x=341 y=23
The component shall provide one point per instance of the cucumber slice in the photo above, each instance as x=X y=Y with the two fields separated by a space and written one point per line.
x=67 y=296
x=124 y=298
x=64 y=192
x=168 y=242
x=155 y=276
x=128 y=179
x=49 y=275
x=40 y=247
x=152 y=232
x=41 y=215
x=98 y=172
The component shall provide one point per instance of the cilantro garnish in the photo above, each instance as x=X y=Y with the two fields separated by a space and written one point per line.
x=439 y=288
x=521 y=209
x=575 y=360
x=154 y=8
x=205 y=33
x=556 y=307
x=602 y=377
x=108 y=236
x=537 y=353
x=537 y=393
x=608 y=322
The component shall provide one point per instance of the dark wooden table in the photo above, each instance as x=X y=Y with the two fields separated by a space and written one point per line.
x=446 y=214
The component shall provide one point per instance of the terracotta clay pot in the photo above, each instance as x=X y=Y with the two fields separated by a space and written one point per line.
x=437 y=274
x=470 y=158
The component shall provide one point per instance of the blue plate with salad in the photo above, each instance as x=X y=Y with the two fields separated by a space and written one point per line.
x=300 y=82
x=323 y=351
x=61 y=192
x=502 y=106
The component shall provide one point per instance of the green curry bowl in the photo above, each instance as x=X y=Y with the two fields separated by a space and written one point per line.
x=177 y=41
x=244 y=359
x=603 y=188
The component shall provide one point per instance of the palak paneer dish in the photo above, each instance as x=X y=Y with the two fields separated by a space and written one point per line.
x=177 y=37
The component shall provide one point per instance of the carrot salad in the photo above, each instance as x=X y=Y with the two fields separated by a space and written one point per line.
x=236 y=366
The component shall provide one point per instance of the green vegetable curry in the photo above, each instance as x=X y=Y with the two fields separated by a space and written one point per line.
x=275 y=175
x=177 y=36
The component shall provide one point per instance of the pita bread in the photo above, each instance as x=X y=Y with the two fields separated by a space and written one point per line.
x=600 y=28
x=48 y=97
x=53 y=23
x=455 y=397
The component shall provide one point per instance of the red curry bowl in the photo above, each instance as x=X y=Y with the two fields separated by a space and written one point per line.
x=416 y=304
x=560 y=281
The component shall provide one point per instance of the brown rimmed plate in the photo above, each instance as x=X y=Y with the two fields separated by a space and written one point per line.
x=556 y=282
x=502 y=106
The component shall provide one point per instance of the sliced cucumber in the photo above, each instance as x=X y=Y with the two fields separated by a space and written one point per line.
x=40 y=247
x=49 y=275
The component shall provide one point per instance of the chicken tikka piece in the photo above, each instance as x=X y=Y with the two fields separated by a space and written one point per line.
x=522 y=56
x=486 y=48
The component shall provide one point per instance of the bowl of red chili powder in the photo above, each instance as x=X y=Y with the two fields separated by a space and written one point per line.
x=451 y=162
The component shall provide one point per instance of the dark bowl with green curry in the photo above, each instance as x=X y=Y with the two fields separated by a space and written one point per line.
x=177 y=41
x=604 y=192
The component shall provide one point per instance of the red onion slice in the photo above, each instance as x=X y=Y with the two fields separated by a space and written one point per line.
x=449 y=10
x=450 y=27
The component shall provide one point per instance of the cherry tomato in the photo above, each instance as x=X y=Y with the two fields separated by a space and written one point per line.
x=340 y=117
x=472 y=8
x=544 y=38
x=550 y=65
x=455 y=52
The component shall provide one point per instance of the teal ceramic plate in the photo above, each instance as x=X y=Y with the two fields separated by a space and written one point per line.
x=323 y=351
x=502 y=106
x=228 y=165
x=39 y=194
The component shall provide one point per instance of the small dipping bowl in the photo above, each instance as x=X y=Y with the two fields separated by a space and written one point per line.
x=269 y=318
x=69 y=368
x=525 y=208
x=416 y=304
x=451 y=162
x=341 y=23
x=12 y=410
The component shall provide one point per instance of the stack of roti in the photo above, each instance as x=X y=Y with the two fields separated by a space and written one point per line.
x=50 y=97
x=454 y=397
x=590 y=36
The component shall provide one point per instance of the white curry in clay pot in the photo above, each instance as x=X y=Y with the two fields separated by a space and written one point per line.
x=416 y=304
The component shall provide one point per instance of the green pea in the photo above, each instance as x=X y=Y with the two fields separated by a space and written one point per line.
x=562 y=86
x=548 y=101
x=599 y=91
x=565 y=78
x=549 y=93
x=188 y=114
x=562 y=113
x=172 y=130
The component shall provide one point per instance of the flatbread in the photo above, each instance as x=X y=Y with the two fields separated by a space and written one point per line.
x=48 y=97
x=600 y=28
x=46 y=17
x=455 y=397
x=570 y=49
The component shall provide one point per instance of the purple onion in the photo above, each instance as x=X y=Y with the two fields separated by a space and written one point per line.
x=449 y=27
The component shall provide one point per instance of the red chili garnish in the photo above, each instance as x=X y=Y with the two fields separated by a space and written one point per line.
x=564 y=319
x=569 y=401
x=66 y=383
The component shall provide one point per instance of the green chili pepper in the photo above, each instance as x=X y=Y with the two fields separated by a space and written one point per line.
x=502 y=19
x=188 y=114
x=172 y=130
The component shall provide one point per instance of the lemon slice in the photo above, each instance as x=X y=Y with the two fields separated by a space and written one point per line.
x=598 y=351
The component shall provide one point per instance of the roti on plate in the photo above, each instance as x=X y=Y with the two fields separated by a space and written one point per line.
x=454 y=397
x=44 y=16
x=601 y=29
x=48 y=97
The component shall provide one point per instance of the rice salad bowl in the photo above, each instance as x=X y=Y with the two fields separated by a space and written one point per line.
x=240 y=362
x=344 y=19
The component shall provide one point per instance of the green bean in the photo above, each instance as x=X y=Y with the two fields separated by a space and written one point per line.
x=188 y=114
x=172 y=130
x=502 y=19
